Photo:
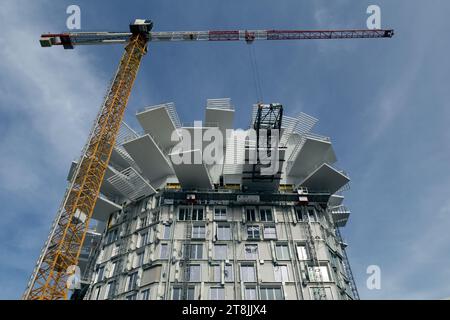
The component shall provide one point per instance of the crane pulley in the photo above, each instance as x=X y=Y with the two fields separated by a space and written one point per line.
x=64 y=243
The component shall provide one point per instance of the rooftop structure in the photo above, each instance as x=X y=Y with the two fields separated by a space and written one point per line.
x=225 y=229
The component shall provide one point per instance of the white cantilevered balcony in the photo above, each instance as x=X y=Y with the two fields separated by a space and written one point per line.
x=150 y=158
x=160 y=122
x=131 y=184
x=220 y=112
x=313 y=151
x=103 y=208
x=190 y=174
x=325 y=178
x=340 y=215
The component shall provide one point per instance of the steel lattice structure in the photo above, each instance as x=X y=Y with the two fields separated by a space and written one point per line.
x=64 y=244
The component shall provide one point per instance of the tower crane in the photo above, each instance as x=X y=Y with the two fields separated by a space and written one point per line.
x=67 y=234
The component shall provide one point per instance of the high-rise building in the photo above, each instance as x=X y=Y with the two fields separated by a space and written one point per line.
x=260 y=222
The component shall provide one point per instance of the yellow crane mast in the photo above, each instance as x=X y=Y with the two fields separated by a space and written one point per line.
x=64 y=244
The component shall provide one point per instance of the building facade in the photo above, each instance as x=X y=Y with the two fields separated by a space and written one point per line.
x=188 y=232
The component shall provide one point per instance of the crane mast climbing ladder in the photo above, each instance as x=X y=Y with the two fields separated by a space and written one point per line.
x=67 y=234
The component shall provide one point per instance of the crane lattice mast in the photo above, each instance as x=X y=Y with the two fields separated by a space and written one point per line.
x=64 y=243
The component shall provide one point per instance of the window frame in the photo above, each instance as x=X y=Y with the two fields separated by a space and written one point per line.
x=219 y=235
x=272 y=288
x=252 y=215
x=222 y=216
x=200 y=236
x=263 y=213
x=282 y=245
x=217 y=297
x=247 y=266
x=279 y=274
x=271 y=226
x=252 y=236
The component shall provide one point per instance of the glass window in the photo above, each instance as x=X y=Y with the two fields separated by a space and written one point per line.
x=271 y=293
x=197 y=214
x=132 y=281
x=194 y=272
x=321 y=293
x=113 y=235
x=216 y=273
x=301 y=252
x=166 y=232
x=251 y=252
x=229 y=276
x=217 y=293
x=253 y=232
x=299 y=214
x=281 y=273
x=145 y=294
x=112 y=269
x=143 y=238
x=220 y=251
x=164 y=253
x=184 y=214
x=250 y=293
x=220 y=214
x=248 y=273
x=198 y=232
x=196 y=251
x=100 y=273
x=282 y=251
x=190 y=293
x=110 y=288
x=270 y=232
x=266 y=215
x=176 y=293
x=319 y=273
x=223 y=232
x=132 y=296
x=251 y=216
x=139 y=259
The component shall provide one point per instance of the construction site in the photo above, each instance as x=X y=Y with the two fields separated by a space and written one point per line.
x=135 y=224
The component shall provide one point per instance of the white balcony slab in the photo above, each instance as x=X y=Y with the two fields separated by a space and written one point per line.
x=335 y=200
x=103 y=208
x=149 y=157
x=192 y=175
x=223 y=118
x=325 y=178
x=159 y=124
x=312 y=154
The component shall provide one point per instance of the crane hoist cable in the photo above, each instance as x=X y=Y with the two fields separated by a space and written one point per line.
x=255 y=72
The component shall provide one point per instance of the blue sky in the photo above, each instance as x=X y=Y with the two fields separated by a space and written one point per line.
x=383 y=102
